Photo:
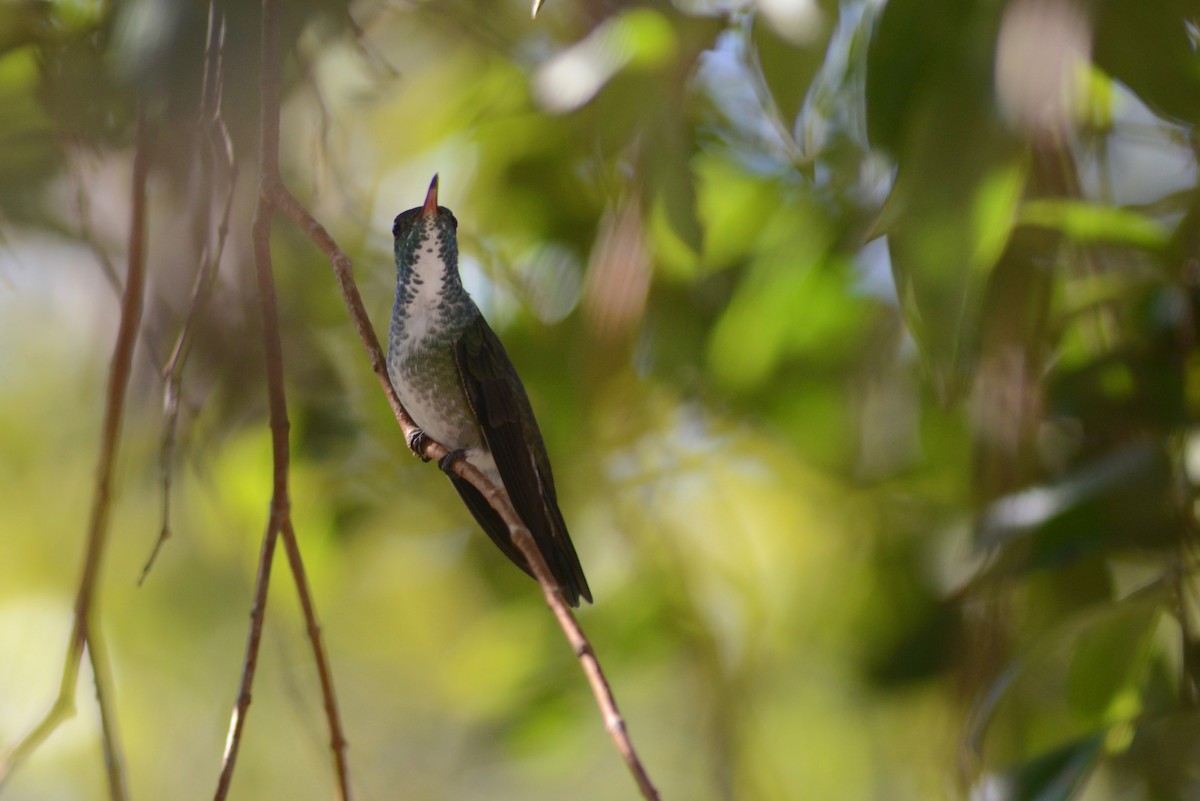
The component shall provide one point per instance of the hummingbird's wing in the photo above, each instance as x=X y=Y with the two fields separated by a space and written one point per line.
x=498 y=399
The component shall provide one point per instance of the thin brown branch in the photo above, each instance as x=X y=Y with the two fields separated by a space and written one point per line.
x=613 y=721
x=271 y=84
x=277 y=404
x=337 y=741
x=86 y=620
x=86 y=234
x=258 y=611
x=114 y=763
x=343 y=274
x=219 y=149
x=271 y=185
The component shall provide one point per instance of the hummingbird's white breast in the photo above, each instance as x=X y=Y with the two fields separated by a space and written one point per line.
x=421 y=363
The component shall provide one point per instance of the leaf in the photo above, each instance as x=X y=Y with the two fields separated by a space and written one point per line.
x=640 y=38
x=956 y=212
x=1121 y=501
x=671 y=185
x=735 y=206
x=1053 y=777
x=788 y=68
x=793 y=301
x=1078 y=683
x=1148 y=46
x=1107 y=663
x=1087 y=222
x=928 y=58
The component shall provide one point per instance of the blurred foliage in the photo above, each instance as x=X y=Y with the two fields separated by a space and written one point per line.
x=863 y=336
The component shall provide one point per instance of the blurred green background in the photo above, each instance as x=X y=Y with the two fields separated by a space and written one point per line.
x=863 y=337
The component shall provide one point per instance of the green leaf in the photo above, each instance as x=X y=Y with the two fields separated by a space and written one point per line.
x=955 y=216
x=1107 y=663
x=795 y=300
x=671 y=185
x=1118 y=502
x=1149 y=46
x=1055 y=776
x=1087 y=222
x=788 y=69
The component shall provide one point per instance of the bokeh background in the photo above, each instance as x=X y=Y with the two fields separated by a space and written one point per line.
x=862 y=335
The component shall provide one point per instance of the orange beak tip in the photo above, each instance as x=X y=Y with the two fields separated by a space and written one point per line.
x=431 y=200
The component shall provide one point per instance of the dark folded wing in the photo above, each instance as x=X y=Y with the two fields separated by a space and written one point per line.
x=489 y=521
x=506 y=418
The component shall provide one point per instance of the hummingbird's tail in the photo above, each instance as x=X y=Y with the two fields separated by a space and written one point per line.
x=556 y=548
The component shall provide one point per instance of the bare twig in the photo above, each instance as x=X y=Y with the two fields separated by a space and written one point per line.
x=521 y=537
x=280 y=522
x=86 y=233
x=85 y=631
x=337 y=741
x=102 y=678
x=277 y=404
x=343 y=273
x=613 y=722
x=250 y=664
x=219 y=148
x=273 y=193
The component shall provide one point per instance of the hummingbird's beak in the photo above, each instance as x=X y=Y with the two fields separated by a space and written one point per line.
x=431 y=206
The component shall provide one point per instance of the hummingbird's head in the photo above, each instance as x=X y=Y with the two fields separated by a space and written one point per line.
x=426 y=234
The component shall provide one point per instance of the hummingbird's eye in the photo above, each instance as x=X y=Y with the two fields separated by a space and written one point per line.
x=453 y=220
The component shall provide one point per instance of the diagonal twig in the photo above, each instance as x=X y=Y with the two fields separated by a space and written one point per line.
x=613 y=721
x=343 y=274
x=274 y=195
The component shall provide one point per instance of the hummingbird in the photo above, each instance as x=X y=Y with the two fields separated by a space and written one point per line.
x=461 y=389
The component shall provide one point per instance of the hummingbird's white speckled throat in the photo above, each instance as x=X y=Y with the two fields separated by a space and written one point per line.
x=422 y=285
x=430 y=299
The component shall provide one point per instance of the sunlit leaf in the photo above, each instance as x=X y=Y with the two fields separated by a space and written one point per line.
x=1087 y=222
x=640 y=38
x=1107 y=663
x=795 y=300
x=734 y=208
x=993 y=213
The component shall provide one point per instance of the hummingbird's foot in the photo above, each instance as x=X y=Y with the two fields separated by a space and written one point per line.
x=416 y=443
x=446 y=463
